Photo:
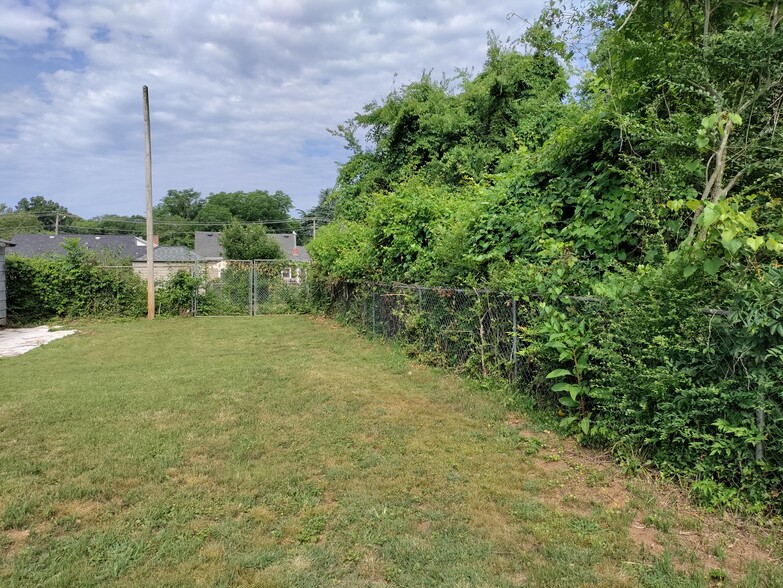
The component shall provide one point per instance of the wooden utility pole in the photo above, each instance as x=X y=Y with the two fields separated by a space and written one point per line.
x=56 y=224
x=150 y=244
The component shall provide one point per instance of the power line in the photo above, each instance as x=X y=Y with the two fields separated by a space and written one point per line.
x=172 y=223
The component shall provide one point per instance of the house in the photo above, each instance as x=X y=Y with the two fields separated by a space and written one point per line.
x=207 y=245
x=3 y=245
x=126 y=248
x=121 y=247
x=167 y=261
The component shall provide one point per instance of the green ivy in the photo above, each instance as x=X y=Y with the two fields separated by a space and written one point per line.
x=76 y=285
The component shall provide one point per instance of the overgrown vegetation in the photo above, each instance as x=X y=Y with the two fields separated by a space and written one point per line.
x=84 y=284
x=75 y=285
x=248 y=242
x=654 y=185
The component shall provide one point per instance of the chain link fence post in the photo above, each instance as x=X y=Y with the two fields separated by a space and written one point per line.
x=252 y=288
x=760 y=423
x=514 y=338
x=373 y=309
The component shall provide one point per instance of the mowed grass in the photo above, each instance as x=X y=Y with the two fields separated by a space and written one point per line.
x=290 y=451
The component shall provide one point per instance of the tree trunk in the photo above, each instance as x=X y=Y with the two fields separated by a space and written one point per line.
x=714 y=188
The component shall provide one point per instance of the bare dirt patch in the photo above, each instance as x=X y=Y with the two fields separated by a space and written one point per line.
x=645 y=537
x=16 y=539
x=664 y=519
x=82 y=510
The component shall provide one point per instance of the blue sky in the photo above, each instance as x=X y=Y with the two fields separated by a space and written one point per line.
x=241 y=91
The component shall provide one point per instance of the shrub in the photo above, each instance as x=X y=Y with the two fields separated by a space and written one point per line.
x=175 y=297
x=76 y=285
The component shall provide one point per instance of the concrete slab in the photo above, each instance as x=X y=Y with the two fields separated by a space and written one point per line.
x=18 y=341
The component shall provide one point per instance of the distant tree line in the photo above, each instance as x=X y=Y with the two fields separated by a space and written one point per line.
x=178 y=215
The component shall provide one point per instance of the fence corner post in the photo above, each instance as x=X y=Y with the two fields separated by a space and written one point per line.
x=514 y=338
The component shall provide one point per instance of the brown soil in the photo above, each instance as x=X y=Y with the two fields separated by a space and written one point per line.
x=578 y=479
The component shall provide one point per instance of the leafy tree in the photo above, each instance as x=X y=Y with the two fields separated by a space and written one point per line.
x=185 y=204
x=344 y=251
x=320 y=214
x=516 y=99
x=451 y=135
x=248 y=242
x=50 y=213
x=110 y=224
x=213 y=217
x=171 y=230
x=695 y=91
x=12 y=223
x=255 y=206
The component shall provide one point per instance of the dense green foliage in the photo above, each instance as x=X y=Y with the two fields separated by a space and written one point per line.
x=181 y=212
x=176 y=295
x=248 y=242
x=12 y=223
x=654 y=185
x=72 y=286
x=85 y=284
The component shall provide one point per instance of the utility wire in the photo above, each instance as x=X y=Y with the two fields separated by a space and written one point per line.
x=109 y=219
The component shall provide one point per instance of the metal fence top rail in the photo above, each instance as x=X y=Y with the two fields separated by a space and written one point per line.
x=515 y=295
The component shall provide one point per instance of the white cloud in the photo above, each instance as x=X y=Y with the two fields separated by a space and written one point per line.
x=25 y=23
x=240 y=90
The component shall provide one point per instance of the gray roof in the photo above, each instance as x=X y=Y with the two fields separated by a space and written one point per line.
x=286 y=242
x=168 y=254
x=5 y=243
x=207 y=244
x=40 y=245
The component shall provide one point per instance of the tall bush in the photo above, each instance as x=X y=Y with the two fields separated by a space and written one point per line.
x=78 y=284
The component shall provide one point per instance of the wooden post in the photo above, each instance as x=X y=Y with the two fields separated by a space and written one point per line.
x=150 y=244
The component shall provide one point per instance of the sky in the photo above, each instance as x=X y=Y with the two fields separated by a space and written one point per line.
x=242 y=92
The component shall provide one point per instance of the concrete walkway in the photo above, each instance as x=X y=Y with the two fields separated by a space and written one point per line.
x=18 y=341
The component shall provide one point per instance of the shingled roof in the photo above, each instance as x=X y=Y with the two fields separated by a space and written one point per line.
x=41 y=245
x=172 y=254
x=207 y=244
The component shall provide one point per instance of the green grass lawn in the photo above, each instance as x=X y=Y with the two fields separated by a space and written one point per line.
x=290 y=451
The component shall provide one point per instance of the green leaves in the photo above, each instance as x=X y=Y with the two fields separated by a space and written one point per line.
x=72 y=286
x=710 y=214
x=248 y=242
x=709 y=122
x=754 y=242
x=735 y=118
x=712 y=265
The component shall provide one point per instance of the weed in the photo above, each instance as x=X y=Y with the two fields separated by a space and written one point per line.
x=659 y=520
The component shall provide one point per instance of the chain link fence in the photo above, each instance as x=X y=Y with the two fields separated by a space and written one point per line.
x=249 y=287
x=222 y=288
x=471 y=330
x=694 y=379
